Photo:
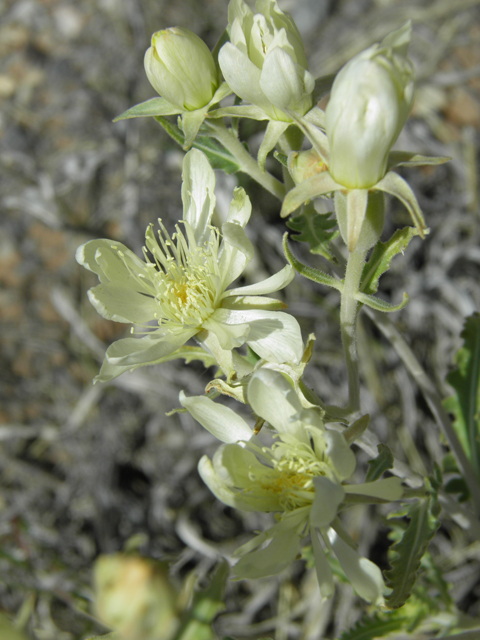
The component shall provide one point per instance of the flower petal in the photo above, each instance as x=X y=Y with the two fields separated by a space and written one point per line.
x=274 y=399
x=221 y=421
x=133 y=352
x=274 y=283
x=198 y=193
x=242 y=76
x=338 y=450
x=386 y=489
x=237 y=251
x=328 y=497
x=277 y=556
x=240 y=207
x=322 y=568
x=122 y=304
x=364 y=576
x=112 y=262
x=229 y=335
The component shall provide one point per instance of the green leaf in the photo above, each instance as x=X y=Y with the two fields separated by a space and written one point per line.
x=153 y=107
x=381 y=305
x=308 y=272
x=108 y=636
x=206 y=605
x=375 y=627
x=318 y=229
x=216 y=153
x=383 y=462
x=465 y=404
x=381 y=258
x=407 y=551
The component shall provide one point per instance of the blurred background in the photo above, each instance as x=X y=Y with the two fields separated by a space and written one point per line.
x=84 y=468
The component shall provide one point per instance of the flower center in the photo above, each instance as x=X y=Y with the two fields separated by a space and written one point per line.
x=185 y=277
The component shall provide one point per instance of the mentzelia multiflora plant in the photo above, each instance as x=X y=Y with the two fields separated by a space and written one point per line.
x=298 y=467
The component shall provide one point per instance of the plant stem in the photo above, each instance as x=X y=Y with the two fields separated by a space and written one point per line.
x=348 y=325
x=433 y=400
x=248 y=164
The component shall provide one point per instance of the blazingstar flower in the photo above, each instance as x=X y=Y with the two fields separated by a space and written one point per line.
x=369 y=105
x=264 y=63
x=300 y=477
x=180 y=67
x=181 y=286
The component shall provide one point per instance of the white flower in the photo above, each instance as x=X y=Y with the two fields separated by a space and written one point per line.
x=369 y=104
x=181 y=286
x=301 y=476
x=180 y=67
x=264 y=63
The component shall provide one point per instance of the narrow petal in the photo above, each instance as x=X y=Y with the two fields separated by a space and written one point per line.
x=322 y=567
x=112 y=261
x=221 y=421
x=313 y=187
x=198 y=193
x=277 y=556
x=134 y=352
x=274 y=399
x=340 y=454
x=328 y=497
x=386 y=489
x=122 y=304
x=364 y=576
x=281 y=79
x=274 y=283
x=237 y=251
x=242 y=76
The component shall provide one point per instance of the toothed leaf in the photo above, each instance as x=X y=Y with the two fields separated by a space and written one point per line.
x=381 y=258
x=309 y=272
x=383 y=462
x=465 y=404
x=407 y=551
x=318 y=229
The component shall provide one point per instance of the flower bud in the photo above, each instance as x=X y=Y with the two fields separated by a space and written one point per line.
x=264 y=63
x=180 y=67
x=134 y=597
x=370 y=101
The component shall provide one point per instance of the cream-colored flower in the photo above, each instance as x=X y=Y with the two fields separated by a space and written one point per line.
x=301 y=477
x=369 y=104
x=179 y=291
x=264 y=63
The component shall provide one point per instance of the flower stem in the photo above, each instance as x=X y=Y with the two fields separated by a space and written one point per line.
x=248 y=164
x=348 y=324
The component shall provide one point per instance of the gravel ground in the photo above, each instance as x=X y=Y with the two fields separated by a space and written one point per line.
x=84 y=468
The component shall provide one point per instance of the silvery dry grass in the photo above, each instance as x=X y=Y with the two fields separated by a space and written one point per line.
x=86 y=468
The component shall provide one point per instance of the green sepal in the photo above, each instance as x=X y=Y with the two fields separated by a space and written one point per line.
x=152 y=107
x=281 y=158
x=216 y=153
x=318 y=229
x=189 y=354
x=382 y=256
x=407 y=552
x=316 y=275
x=412 y=159
x=272 y=133
x=383 y=462
x=465 y=403
x=381 y=305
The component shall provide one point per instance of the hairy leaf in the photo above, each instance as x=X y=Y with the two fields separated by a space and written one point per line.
x=465 y=404
x=309 y=272
x=315 y=228
x=383 y=462
x=381 y=305
x=216 y=153
x=382 y=255
x=407 y=552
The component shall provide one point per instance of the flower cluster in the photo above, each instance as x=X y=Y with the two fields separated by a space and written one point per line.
x=180 y=290
x=300 y=476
